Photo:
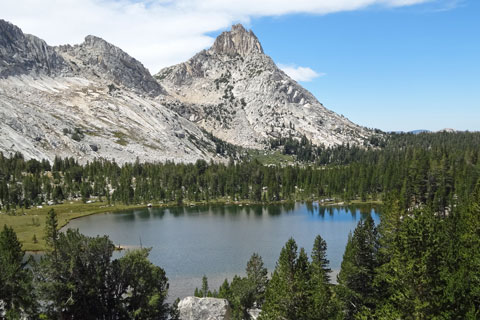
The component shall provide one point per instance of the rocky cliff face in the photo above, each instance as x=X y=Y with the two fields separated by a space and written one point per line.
x=87 y=101
x=238 y=93
x=237 y=42
x=94 y=100
x=26 y=54
x=97 y=57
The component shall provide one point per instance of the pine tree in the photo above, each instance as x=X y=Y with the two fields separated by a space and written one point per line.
x=280 y=296
x=257 y=275
x=355 y=280
x=204 y=290
x=51 y=230
x=321 y=306
x=16 y=285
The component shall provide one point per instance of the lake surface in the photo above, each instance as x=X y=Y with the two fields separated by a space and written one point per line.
x=218 y=240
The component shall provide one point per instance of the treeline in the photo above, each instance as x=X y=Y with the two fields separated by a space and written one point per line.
x=77 y=278
x=424 y=168
x=416 y=264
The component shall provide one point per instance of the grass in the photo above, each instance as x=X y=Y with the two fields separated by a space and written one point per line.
x=28 y=223
x=369 y=201
x=269 y=157
x=121 y=138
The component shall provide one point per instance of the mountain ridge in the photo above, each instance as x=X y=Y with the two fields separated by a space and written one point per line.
x=89 y=101
x=234 y=90
x=93 y=100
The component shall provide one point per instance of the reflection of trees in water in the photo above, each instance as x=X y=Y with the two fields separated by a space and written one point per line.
x=149 y=213
x=177 y=211
x=310 y=207
x=233 y=210
x=258 y=210
x=158 y=213
x=272 y=210
x=288 y=207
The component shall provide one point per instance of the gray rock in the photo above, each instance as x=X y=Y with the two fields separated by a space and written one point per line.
x=254 y=313
x=26 y=54
x=193 y=308
x=238 y=93
x=105 y=60
x=93 y=86
x=237 y=41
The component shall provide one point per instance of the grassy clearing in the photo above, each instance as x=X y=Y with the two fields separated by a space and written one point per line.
x=369 y=202
x=269 y=157
x=28 y=223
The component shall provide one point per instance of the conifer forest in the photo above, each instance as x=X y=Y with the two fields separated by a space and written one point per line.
x=421 y=261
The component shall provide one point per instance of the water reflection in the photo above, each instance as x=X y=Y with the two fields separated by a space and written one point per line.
x=219 y=239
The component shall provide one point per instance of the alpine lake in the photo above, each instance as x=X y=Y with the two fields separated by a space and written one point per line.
x=217 y=241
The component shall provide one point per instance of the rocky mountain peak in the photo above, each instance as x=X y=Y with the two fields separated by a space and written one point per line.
x=237 y=93
x=237 y=41
x=100 y=57
x=92 y=40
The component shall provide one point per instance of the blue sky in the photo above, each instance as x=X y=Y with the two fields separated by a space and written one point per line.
x=393 y=69
x=388 y=64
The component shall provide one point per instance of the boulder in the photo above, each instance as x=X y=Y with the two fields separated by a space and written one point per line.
x=193 y=308
x=254 y=313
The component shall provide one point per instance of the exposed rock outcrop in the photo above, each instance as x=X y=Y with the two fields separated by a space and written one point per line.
x=26 y=54
x=102 y=59
x=237 y=92
x=193 y=308
x=254 y=313
x=87 y=101
x=237 y=41
x=93 y=100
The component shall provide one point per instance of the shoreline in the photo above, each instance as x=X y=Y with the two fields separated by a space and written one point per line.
x=29 y=223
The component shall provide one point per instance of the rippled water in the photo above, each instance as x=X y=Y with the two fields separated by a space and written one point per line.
x=218 y=240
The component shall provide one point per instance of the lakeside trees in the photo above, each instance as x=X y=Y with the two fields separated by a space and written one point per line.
x=421 y=262
x=16 y=288
x=418 y=263
x=425 y=168
x=78 y=279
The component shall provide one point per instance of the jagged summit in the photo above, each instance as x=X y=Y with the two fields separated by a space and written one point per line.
x=238 y=93
x=90 y=100
x=26 y=54
x=100 y=57
x=237 y=41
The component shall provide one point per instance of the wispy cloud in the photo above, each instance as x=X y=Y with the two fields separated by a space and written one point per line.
x=447 y=5
x=304 y=74
x=159 y=32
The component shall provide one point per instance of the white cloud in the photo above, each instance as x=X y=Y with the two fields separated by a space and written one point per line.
x=304 y=74
x=158 y=32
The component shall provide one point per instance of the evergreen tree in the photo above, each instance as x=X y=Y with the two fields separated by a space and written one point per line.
x=322 y=306
x=355 y=280
x=16 y=294
x=280 y=300
x=204 y=290
x=257 y=276
x=147 y=286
